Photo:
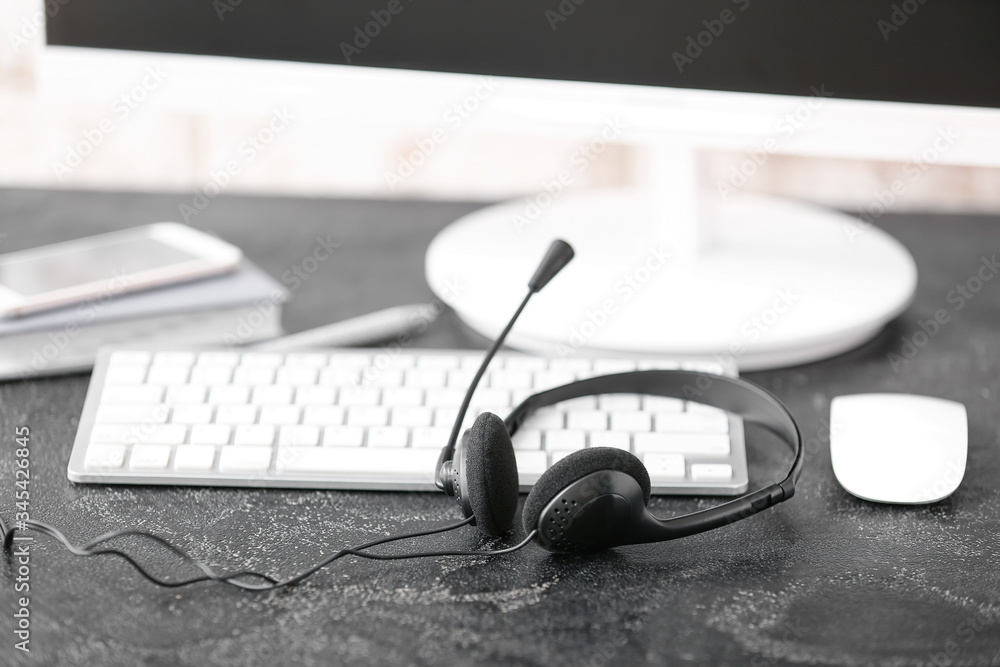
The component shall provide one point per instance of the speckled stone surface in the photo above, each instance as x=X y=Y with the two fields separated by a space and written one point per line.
x=825 y=579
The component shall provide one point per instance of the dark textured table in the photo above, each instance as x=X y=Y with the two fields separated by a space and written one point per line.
x=824 y=579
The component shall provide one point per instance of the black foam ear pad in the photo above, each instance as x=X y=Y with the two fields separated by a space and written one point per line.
x=575 y=466
x=491 y=484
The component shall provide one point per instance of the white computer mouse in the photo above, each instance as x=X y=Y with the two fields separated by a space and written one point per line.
x=898 y=448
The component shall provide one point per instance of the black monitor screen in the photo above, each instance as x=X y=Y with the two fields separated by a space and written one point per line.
x=934 y=51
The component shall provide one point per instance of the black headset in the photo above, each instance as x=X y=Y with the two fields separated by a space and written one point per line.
x=593 y=499
x=596 y=498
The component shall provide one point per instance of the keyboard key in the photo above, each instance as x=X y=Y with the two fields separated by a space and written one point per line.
x=236 y=414
x=186 y=393
x=194 y=458
x=168 y=375
x=386 y=378
x=192 y=414
x=491 y=396
x=664 y=466
x=323 y=415
x=430 y=437
x=219 y=358
x=254 y=434
x=132 y=394
x=315 y=395
x=425 y=378
x=403 y=396
x=246 y=374
x=531 y=463
x=525 y=363
x=279 y=414
x=306 y=436
x=505 y=379
x=104 y=457
x=559 y=454
x=616 y=439
x=165 y=434
x=272 y=394
x=210 y=434
x=437 y=362
x=444 y=397
x=214 y=374
x=631 y=421
x=691 y=422
x=174 y=358
x=359 y=396
x=267 y=359
x=363 y=462
x=132 y=414
x=149 y=457
x=691 y=406
x=129 y=358
x=569 y=440
x=446 y=417
x=244 y=459
x=388 y=436
x=228 y=394
x=711 y=472
x=352 y=360
x=527 y=438
x=296 y=375
x=587 y=420
x=343 y=436
x=460 y=379
x=367 y=416
x=550 y=379
x=126 y=375
x=682 y=443
x=409 y=416
x=339 y=377
x=312 y=359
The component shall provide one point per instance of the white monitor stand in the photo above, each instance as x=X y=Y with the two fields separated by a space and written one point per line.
x=764 y=281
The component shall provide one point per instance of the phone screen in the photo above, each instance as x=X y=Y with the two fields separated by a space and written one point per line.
x=48 y=273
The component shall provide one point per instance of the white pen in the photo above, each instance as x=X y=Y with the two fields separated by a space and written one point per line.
x=363 y=330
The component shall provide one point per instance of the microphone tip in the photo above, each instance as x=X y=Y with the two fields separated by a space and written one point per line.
x=558 y=255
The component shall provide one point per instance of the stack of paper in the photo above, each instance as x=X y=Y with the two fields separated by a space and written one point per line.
x=231 y=309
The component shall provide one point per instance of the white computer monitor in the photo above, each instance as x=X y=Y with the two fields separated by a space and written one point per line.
x=675 y=265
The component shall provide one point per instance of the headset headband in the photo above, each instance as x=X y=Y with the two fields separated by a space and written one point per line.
x=734 y=395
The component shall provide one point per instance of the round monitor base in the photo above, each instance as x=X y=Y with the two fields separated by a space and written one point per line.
x=774 y=283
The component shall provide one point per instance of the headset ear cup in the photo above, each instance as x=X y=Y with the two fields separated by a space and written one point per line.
x=490 y=474
x=575 y=466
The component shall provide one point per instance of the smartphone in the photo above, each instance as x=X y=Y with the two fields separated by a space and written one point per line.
x=109 y=264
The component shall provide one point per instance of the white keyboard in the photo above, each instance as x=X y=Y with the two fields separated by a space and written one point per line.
x=375 y=419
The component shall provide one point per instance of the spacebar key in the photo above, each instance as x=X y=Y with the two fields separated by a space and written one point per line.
x=359 y=462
